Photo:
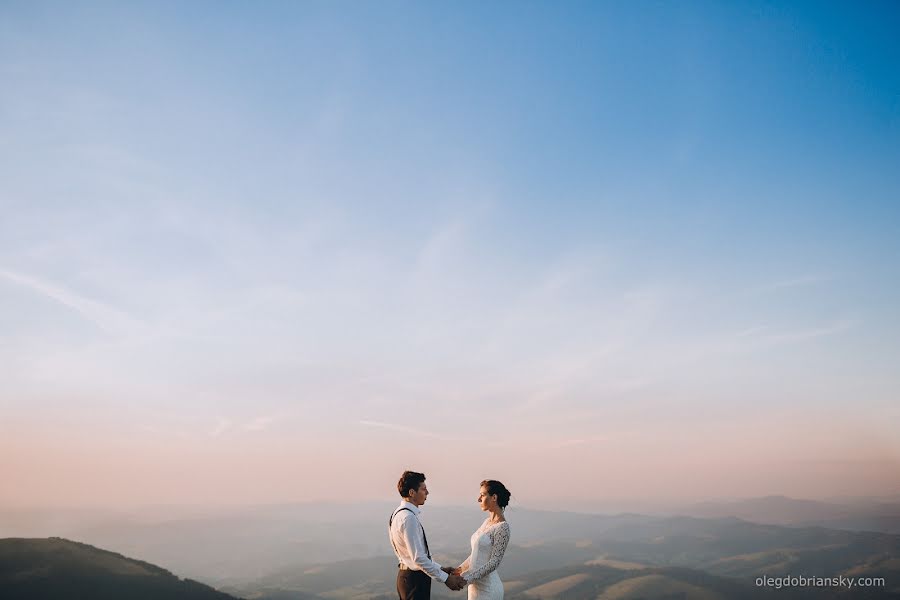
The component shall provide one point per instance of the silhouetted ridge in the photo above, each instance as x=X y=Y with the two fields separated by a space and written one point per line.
x=56 y=568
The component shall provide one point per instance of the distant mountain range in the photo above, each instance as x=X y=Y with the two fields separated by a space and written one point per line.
x=627 y=556
x=56 y=569
x=305 y=552
x=868 y=515
x=200 y=543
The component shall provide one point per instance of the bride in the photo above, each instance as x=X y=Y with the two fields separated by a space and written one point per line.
x=488 y=545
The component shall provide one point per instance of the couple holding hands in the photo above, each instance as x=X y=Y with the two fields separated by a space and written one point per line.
x=417 y=568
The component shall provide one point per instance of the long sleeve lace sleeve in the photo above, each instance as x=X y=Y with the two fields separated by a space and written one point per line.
x=499 y=541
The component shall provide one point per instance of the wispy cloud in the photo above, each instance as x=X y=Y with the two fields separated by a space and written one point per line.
x=222 y=425
x=755 y=338
x=751 y=331
x=258 y=424
x=795 y=282
x=410 y=430
x=580 y=441
x=763 y=336
x=444 y=243
x=109 y=319
x=803 y=335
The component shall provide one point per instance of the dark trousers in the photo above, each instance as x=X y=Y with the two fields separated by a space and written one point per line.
x=413 y=585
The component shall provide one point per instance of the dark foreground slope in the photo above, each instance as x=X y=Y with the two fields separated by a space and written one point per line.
x=55 y=568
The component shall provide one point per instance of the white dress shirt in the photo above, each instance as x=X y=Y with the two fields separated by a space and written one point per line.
x=408 y=540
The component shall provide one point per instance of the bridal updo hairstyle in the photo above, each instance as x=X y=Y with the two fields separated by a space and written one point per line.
x=495 y=487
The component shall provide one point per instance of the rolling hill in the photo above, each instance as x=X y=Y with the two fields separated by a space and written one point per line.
x=301 y=552
x=55 y=568
x=290 y=539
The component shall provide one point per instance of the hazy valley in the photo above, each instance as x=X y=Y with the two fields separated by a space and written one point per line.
x=326 y=551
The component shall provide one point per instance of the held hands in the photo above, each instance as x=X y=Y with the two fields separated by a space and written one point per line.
x=455 y=582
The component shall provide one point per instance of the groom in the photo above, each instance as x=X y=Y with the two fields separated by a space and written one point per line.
x=411 y=546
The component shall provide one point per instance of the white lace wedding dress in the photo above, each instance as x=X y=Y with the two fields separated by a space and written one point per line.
x=480 y=569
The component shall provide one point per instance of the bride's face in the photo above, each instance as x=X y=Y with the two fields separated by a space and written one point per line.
x=485 y=500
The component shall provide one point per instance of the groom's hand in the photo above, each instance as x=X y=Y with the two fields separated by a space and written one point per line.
x=455 y=582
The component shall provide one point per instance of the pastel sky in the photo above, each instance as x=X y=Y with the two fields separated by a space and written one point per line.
x=270 y=252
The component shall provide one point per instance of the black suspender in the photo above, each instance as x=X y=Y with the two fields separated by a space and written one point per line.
x=424 y=537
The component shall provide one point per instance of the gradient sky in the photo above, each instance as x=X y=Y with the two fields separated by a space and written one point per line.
x=267 y=252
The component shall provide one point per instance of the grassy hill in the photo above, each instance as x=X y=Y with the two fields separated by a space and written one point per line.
x=372 y=580
x=600 y=582
x=671 y=558
x=55 y=568
x=608 y=583
x=231 y=549
x=283 y=554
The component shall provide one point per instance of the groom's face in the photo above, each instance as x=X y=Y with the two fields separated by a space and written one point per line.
x=418 y=497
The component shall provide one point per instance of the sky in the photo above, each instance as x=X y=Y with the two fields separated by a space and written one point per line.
x=606 y=251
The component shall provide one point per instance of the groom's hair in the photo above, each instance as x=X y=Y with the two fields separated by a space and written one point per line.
x=410 y=480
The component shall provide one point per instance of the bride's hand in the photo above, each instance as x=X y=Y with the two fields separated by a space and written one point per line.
x=457 y=571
